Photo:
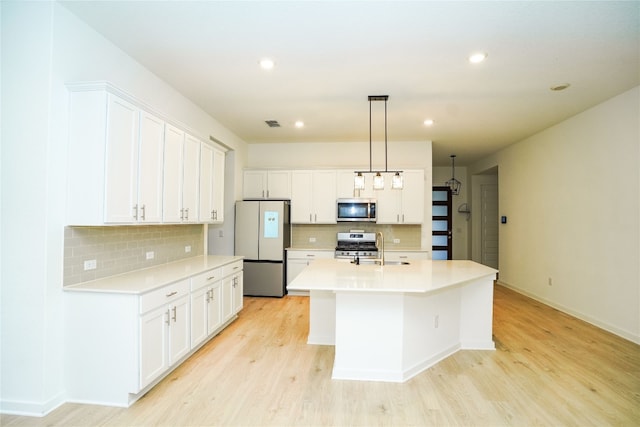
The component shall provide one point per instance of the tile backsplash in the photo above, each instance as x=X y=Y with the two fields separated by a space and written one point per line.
x=121 y=249
x=408 y=236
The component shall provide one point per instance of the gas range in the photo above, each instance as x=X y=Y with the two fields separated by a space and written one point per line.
x=356 y=244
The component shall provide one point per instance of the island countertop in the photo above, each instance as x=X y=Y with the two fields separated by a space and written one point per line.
x=417 y=276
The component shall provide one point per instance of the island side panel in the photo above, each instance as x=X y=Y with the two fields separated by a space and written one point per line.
x=322 y=318
x=369 y=336
x=431 y=329
x=476 y=328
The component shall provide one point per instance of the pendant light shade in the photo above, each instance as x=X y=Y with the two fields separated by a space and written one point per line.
x=378 y=179
x=453 y=183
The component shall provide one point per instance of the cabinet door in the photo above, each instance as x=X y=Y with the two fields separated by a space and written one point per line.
x=153 y=344
x=227 y=298
x=172 y=177
x=205 y=212
x=295 y=267
x=301 y=197
x=254 y=184
x=388 y=202
x=121 y=181
x=191 y=179
x=150 y=172
x=279 y=184
x=179 y=344
x=199 y=311
x=324 y=197
x=412 y=204
x=217 y=199
x=237 y=291
x=214 y=308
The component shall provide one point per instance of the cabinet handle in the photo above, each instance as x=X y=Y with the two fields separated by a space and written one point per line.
x=236 y=267
x=171 y=294
x=135 y=212
x=211 y=277
x=144 y=212
x=174 y=314
x=211 y=292
x=315 y=217
x=310 y=220
x=311 y=255
x=181 y=214
x=397 y=217
x=402 y=217
x=186 y=211
x=267 y=193
x=213 y=215
x=168 y=318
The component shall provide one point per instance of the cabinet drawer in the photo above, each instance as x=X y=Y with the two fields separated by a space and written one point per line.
x=310 y=254
x=232 y=268
x=206 y=278
x=163 y=295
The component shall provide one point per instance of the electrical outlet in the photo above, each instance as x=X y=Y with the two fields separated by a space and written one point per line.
x=151 y=255
x=187 y=249
x=312 y=239
x=220 y=233
x=396 y=241
x=550 y=282
x=436 y=321
x=90 y=264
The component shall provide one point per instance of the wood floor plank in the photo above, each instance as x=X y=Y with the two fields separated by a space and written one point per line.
x=548 y=369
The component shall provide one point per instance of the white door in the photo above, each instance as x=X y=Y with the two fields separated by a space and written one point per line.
x=121 y=192
x=214 y=319
x=489 y=224
x=179 y=344
x=153 y=344
x=206 y=183
x=191 y=179
x=172 y=192
x=218 y=186
x=302 y=197
x=324 y=197
x=150 y=171
x=199 y=308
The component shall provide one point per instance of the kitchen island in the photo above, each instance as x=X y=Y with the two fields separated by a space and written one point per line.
x=390 y=322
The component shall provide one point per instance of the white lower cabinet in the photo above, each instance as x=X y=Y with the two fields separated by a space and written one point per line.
x=119 y=344
x=297 y=260
x=164 y=330
x=206 y=305
x=405 y=255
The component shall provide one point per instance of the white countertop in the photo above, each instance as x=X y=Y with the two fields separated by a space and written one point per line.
x=418 y=276
x=148 y=279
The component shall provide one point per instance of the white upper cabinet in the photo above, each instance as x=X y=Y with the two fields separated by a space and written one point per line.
x=313 y=197
x=262 y=184
x=404 y=206
x=128 y=166
x=181 y=176
x=114 y=161
x=211 y=184
x=150 y=170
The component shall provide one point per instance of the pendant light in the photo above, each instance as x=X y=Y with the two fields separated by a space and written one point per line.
x=378 y=179
x=453 y=183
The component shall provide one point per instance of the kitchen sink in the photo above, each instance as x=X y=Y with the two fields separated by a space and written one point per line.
x=377 y=261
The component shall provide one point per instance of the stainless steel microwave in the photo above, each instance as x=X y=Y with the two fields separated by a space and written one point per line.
x=356 y=210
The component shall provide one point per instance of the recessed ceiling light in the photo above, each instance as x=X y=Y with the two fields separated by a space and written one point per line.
x=428 y=122
x=299 y=124
x=267 y=63
x=560 y=87
x=478 y=57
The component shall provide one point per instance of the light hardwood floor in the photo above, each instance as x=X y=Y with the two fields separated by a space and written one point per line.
x=548 y=369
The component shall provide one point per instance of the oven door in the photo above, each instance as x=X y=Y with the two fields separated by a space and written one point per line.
x=356 y=210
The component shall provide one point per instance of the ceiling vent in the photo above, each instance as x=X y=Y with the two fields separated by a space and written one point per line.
x=272 y=123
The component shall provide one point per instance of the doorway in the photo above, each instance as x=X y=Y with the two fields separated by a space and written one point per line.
x=485 y=224
x=441 y=224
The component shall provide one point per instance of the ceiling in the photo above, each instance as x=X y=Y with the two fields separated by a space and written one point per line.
x=330 y=55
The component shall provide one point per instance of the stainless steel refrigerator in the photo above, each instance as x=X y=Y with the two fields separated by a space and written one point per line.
x=262 y=234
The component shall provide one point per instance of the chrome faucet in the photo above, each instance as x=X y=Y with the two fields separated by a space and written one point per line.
x=380 y=246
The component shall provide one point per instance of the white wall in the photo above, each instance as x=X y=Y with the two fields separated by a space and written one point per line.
x=44 y=46
x=571 y=194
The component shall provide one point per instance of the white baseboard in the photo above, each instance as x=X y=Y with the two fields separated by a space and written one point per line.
x=31 y=409
x=582 y=316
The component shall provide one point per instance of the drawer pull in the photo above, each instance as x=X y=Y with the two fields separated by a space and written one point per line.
x=236 y=267
x=311 y=255
x=171 y=294
x=211 y=277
